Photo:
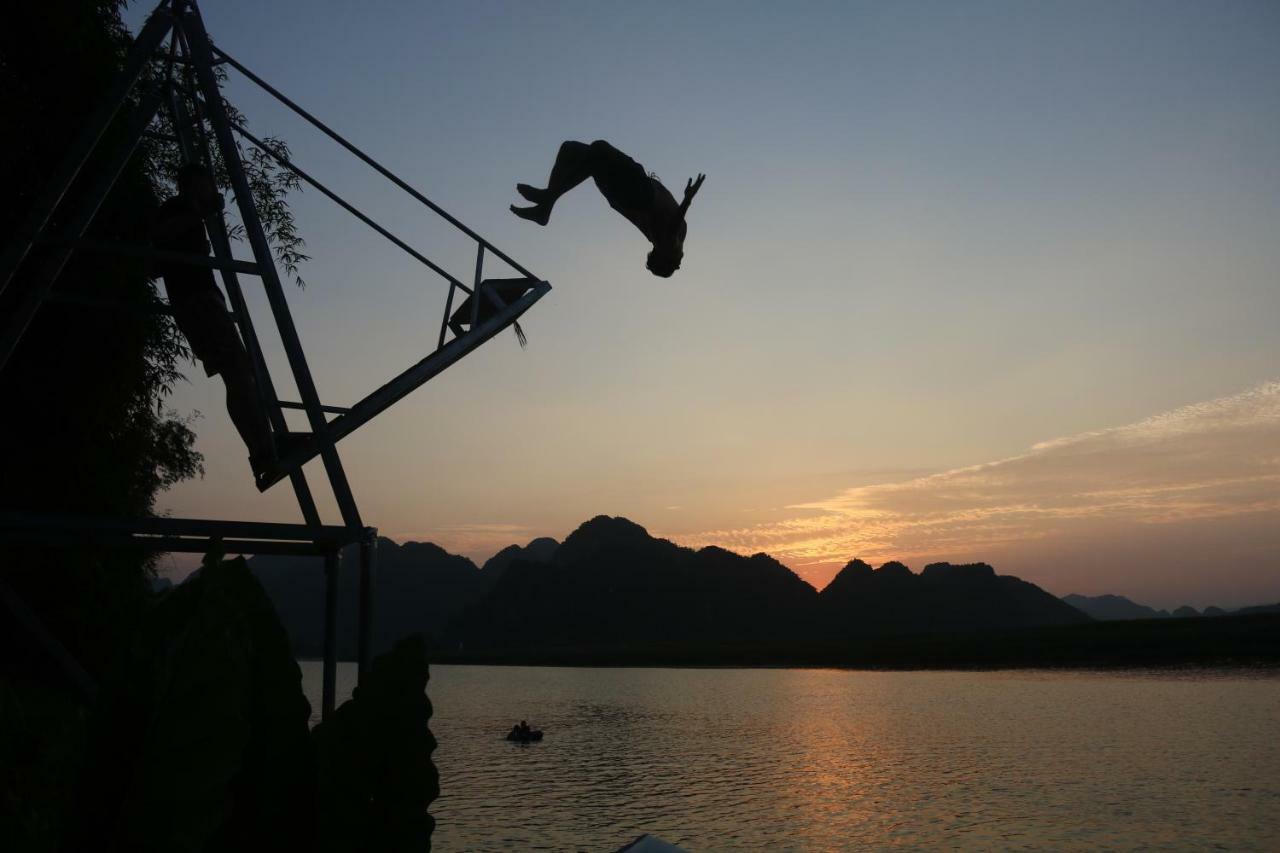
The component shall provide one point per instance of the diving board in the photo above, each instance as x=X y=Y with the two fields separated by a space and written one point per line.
x=402 y=385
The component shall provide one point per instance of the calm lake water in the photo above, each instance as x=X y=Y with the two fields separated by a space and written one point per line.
x=786 y=759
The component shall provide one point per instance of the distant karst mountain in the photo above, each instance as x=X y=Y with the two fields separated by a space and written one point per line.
x=1113 y=608
x=942 y=598
x=611 y=585
x=538 y=551
x=1259 y=608
x=1108 y=608
x=418 y=588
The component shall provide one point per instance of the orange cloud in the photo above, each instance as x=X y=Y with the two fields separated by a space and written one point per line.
x=1212 y=460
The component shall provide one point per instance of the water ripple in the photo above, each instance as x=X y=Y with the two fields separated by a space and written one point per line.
x=834 y=760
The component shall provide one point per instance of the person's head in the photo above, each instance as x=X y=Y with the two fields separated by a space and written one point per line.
x=194 y=180
x=664 y=259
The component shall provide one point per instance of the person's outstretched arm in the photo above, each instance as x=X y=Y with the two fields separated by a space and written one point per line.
x=690 y=190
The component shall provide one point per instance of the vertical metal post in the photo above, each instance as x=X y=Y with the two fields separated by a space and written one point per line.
x=202 y=59
x=444 y=321
x=368 y=553
x=328 y=696
x=109 y=104
x=475 y=294
x=43 y=280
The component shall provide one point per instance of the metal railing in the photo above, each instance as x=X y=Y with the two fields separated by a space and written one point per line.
x=482 y=245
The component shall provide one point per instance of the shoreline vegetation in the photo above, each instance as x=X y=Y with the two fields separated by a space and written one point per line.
x=1235 y=642
x=1232 y=641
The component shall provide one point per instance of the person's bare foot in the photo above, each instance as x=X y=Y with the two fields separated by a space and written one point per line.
x=537 y=213
x=532 y=193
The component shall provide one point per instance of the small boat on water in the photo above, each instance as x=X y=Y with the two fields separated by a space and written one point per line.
x=524 y=733
x=525 y=737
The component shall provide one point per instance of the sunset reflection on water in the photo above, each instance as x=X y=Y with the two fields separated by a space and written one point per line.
x=725 y=759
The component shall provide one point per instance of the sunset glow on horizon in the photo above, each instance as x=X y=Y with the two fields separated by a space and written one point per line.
x=986 y=282
x=1216 y=460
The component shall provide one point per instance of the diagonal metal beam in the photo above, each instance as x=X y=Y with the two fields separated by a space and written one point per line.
x=452 y=352
x=109 y=247
x=408 y=381
x=193 y=138
x=202 y=57
x=43 y=279
x=31 y=524
x=153 y=33
x=22 y=615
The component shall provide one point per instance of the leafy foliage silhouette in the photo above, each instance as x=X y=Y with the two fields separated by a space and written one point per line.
x=87 y=426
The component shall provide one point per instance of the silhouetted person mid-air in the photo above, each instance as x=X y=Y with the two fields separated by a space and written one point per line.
x=637 y=195
x=200 y=309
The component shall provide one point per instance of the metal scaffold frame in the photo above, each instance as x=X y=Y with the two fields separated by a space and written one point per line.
x=179 y=78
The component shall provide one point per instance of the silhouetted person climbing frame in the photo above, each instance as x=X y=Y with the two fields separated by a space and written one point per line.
x=200 y=309
x=637 y=195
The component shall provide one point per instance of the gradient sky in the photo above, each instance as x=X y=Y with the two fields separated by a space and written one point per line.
x=966 y=281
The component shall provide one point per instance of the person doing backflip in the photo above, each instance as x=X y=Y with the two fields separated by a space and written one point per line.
x=200 y=309
x=631 y=191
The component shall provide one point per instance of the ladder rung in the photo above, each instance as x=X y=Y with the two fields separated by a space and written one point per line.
x=333 y=410
x=106 y=247
x=103 y=302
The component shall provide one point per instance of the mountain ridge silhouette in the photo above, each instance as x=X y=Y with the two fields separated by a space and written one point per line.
x=610 y=582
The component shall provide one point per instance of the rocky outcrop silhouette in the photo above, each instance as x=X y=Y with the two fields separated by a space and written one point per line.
x=376 y=777
x=200 y=742
x=1186 y=611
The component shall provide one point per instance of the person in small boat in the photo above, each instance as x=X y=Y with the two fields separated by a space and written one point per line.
x=629 y=189
x=514 y=734
x=525 y=731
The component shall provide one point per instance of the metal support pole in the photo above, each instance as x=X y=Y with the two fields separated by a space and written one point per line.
x=475 y=297
x=448 y=309
x=368 y=553
x=43 y=280
x=109 y=104
x=332 y=565
x=202 y=58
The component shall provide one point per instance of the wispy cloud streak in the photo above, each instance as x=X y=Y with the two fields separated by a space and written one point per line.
x=1215 y=459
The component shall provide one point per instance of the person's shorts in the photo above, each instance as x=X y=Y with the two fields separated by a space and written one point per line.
x=622 y=181
x=202 y=317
